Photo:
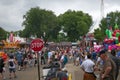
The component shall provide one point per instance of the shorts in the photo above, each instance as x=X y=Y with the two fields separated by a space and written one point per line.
x=12 y=70
x=35 y=61
x=25 y=62
x=19 y=63
x=1 y=70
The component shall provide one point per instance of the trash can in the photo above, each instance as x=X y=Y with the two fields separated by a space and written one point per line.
x=46 y=69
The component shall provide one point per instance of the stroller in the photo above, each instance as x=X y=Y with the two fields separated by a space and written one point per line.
x=49 y=72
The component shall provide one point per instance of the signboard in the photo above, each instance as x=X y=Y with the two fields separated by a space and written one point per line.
x=11 y=44
x=37 y=44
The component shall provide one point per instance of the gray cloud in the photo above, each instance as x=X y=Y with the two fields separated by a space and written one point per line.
x=7 y=2
x=12 y=11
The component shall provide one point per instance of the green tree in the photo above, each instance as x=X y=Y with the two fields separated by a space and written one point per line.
x=76 y=24
x=39 y=21
x=3 y=34
x=106 y=23
x=99 y=35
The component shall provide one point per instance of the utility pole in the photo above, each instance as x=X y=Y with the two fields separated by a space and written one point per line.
x=102 y=9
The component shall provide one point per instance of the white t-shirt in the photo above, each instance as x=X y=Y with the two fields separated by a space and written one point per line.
x=49 y=55
x=62 y=58
x=88 y=65
x=86 y=57
x=100 y=61
x=13 y=63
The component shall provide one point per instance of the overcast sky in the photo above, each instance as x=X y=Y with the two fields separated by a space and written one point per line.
x=12 y=11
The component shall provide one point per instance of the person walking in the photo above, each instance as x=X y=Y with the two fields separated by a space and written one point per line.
x=1 y=68
x=19 y=58
x=12 y=66
x=62 y=74
x=88 y=68
x=117 y=61
x=63 y=60
x=109 y=67
x=42 y=58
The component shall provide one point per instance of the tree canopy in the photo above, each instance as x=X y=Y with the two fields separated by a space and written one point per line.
x=3 y=34
x=44 y=23
x=75 y=23
x=109 y=21
x=41 y=23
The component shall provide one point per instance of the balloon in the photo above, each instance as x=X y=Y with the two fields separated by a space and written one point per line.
x=113 y=35
x=110 y=34
x=106 y=46
x=107 y=32
x=111 y=40
x=109 y=47
x=119 y=38
x=118 y=44
x=116 y=26
x=105 y=40
x=117 y=34
x=3 y=55
x=116 y=41
x=113 y=46
x=97 y=48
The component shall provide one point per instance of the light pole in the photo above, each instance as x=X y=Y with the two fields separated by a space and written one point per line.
x=116 y=19
x=108 y=21
x=44 y=38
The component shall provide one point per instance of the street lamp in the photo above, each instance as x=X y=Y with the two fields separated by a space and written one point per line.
x=45 y=39
x=116 y=19
x=108 y=21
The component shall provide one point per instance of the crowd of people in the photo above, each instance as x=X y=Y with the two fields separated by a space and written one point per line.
x=17 y=60
x=107 y=62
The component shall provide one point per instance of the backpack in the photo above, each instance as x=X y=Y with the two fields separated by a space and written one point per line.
x=65 y=60
x=11 y=63
x=1 y=62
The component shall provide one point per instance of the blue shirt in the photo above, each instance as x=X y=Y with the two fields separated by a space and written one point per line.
x=19 y=57
x=118 y=54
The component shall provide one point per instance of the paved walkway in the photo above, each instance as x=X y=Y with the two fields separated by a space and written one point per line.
x=28 y=74
x=32 y=73
x=77 y=73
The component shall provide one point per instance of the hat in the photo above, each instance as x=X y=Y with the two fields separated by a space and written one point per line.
x=102 y=52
